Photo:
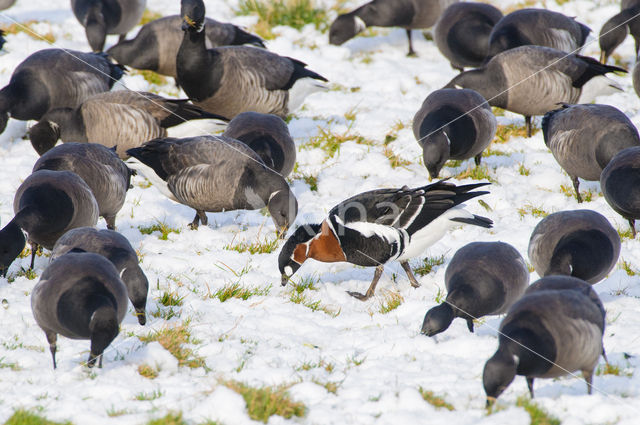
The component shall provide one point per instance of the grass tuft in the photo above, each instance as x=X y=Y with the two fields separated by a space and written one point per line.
x=148 y=371
x=506 y=132
x=173 y=340
x=428 y=264
x=235 y=290
x=627 y=233
x=391 y=301
x=626 y=266
x=28 y=273
x=480 y=172
x=524 y=171
x=153 y=395
x=302 y=299
x=395 y=160
x=293 y=13
x=529 y=209
x=258 y=246
x=28 y=417
x=330 y=142
x=149 y=16
x=28 y=28
x=151 y=77
x=159 y=226
x=172 y=418
x=538 y=415
x=570 y=192
x=262 y=403
x=434 y=400
x=171 y=299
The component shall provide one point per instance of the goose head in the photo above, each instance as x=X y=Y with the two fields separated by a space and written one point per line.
x=193 y=15
x=345 y=27
x=437 y=320
x=499 y=372
x=295 y=250
x=283 y=207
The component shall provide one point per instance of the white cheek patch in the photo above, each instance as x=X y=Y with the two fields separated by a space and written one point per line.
x=288 y=270
x=360 y=24
x=122 y=272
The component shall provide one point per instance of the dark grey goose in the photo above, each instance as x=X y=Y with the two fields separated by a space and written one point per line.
x=616 y=29
x=635 y=77
x=5 y=4
x=117 y=249
x=531 y=80
x=546 y=334
x=100 y=168
x=216 y=173
x=580 y=243
x=482 y=278
x=539 y=27
x=123 y=119
x=620 y=183
x=453 y=124
x=233 y=79
x=55 y=78
x=407 y=14
x=102 y=17
x=268 y=135
x=80 y=296
x=462 y=33
x=156 y=46
x=584 y=138
x=46 y=205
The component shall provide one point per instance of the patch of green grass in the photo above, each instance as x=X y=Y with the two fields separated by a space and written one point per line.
x=172 y=418
x=28 y=417
x=293 y=13
x=524 y=171
x=258 y=246
x=331 y=387
x=395 y=160
x=170 y=299
x=16 y=344
x=570 y=192
x=306 y=282
x=159 y=226
x=27 y=27
x=330 y=142
x=148 y=371
x=264 y=402
x=506 y=132
x=235 y=290
x=434 y=400
x=150 y=76
x=484 y=205
x=480 y=172
x=113 y=412
x=9 y=365
x=302 y=299
x=149 y=16
x=627 y=233
x=529 y=209
x=173 y=339
x=329 y=367
x=538 y=415
x=153 y=395
x=454 y=163
x=612 y=369
x=440 y=296
x=312 y=181
x=428 y=264
x=498 y=112
x=494 y=152
x=28 y=273
x=391 y=301
x=626 y=266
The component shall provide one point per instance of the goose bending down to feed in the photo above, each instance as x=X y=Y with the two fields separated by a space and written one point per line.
x=379 y=226
x=580 y=243
x=100 y=168
x=46 y=205
x=102 y=17
x=512 y=79
x=2 y=40
x=215 y=173
x=117 y=249
x=55 y=78
x=620 y=183
x=156 y=45
x=462 y=33
x=5 y=4
x=482 y=278
x=584 y=138
x=234 y=79
x=616 y=29
x=635 y=77
x=453 y=124
x=546 y=334
x=268 y=135
x=80 y=296
x=538 y=27
x=407 y=14
x=123 y=119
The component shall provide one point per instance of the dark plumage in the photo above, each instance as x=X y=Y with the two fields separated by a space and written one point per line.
x=407 y=14
x=615 y=30
x=55 y=78
x=620 y=183
x=235 y=79
x=482 y=278
x=584 y=138
x=462 y=33
x=100 y=168
x=538 y=27
x=46 y=205
x=635 y=77
x=117 y=249
x=2 y=39
x=379 y=226
x=5 y=4
x=80 y=296
x=122 y=119
x=580 y=243
x=156 y=45
x=550 y=332
x=215 y=173
x=531 y=80
x=102 y=17
x=268 y=135
x=453 y=124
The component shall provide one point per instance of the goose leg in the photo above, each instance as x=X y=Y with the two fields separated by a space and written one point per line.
x=530 y=385
x=412 y=279
x=603 y=57
x=122 y=38
x=527 y=120
x=111 y=221
x=588 y=378
x=576 y=186
x=632 y=223
x=604 y=356
x=372 y=287
x=34 y=249
x=470 y=324
x=51 y=339
x=478 y=159
x=201 y=217
x=411 y=51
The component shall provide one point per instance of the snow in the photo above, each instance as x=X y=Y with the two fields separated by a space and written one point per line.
x=378 y=361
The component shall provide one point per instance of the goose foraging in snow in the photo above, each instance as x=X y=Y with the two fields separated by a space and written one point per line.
x=620 y=183
x=616 y=29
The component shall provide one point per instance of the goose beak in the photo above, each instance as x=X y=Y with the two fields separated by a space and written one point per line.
x=603 y=57
x=490 y=402
x=187 y=23
x=284 y=280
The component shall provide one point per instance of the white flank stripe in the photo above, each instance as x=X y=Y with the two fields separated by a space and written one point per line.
x=151 y=175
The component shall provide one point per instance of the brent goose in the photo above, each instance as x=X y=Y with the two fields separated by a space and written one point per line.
x=513 y=79
x=117 y=249
x=5 y=4
x=482 y=278
x=580 y=243
x=378 y=226
x=584 y=138
x=123 y=119
x=55 y=78
x=615 y=30
x=453 y=124
x=102 y=17
x=620 y=183
x=215 y=173
x=46 y=205
x=80 y=296
x=233 y=79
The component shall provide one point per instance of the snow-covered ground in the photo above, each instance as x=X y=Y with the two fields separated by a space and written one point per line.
x=344 y=359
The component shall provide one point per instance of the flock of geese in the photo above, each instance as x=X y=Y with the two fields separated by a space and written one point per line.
x=525 y=62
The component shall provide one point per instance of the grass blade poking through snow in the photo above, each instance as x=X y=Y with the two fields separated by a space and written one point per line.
x=262 y=403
